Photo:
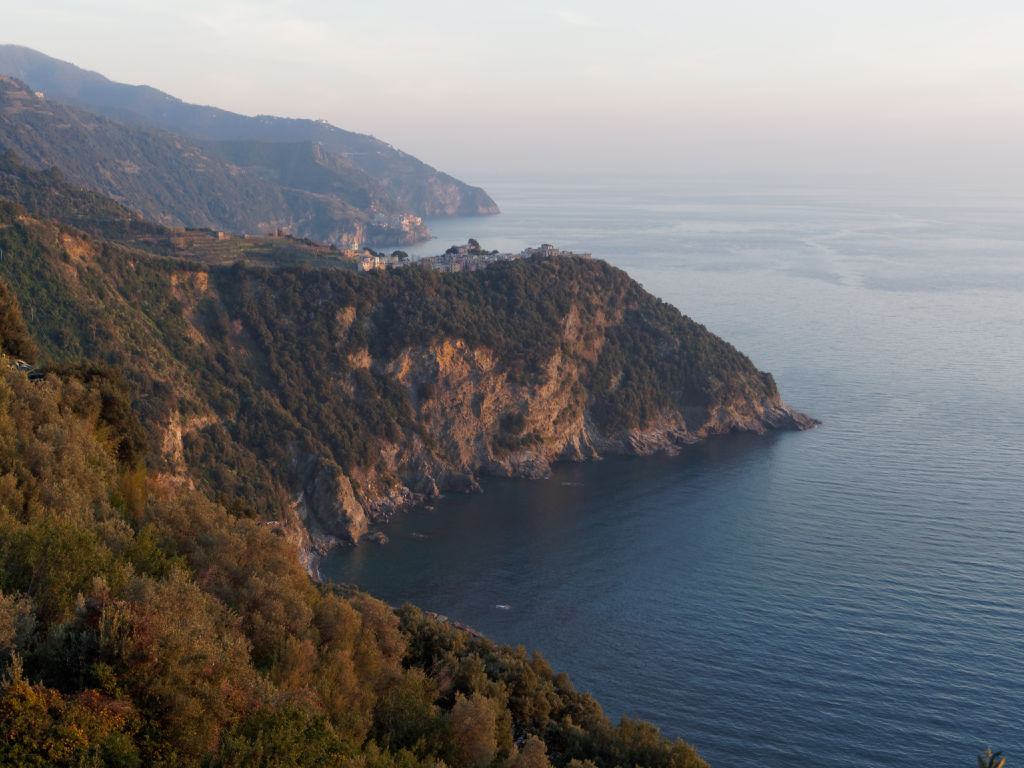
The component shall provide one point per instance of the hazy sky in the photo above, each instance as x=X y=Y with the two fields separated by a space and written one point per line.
x=731 y=86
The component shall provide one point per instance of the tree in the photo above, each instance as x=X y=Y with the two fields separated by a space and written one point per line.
x=14 y=337
x=532 y=754
x=285 y=737
x=474 y=723
x=43 y=728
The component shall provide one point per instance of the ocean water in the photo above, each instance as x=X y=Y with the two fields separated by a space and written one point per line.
x=848 y=596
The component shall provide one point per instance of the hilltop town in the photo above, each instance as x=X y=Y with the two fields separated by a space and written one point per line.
x=458 y=258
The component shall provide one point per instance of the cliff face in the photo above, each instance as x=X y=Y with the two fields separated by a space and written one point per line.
x=437 y=194
x=323 y=401
x=462 y=418
x=202 y=623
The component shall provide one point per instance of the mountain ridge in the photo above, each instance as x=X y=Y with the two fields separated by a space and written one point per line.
x=174 y=181
x=414 y=185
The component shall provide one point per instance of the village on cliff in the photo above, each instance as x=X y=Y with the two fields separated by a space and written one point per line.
x=458 y=258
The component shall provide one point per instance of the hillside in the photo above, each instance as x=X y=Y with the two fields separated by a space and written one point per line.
x=412 y=185
x=193 y=432
x=336 y=398
x=142 y=625
x=47 y=194
x=173 y=181
x=306 y=165
x=154 y=609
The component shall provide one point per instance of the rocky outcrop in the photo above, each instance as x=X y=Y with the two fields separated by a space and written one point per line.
x=469 y=396
x=472 y=410
x=327 y=503
x=323 y=401
x=438 y=194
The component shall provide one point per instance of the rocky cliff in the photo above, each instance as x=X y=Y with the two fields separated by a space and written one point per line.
x=151 y=626
x=424 y=383
x=322 y=400
x=469 y=434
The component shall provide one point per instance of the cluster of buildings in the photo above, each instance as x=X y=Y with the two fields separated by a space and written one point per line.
x=458 y=258
x=550 y=250
x=464 y=258
x=369 y=260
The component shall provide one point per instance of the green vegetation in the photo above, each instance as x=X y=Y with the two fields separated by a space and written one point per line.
x=158 y=629
x=281 y=367
x=14 y=338
x=153 y=610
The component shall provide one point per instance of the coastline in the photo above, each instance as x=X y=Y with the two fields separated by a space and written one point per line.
x=667 y=437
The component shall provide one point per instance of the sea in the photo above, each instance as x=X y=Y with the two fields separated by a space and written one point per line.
x=848 y=596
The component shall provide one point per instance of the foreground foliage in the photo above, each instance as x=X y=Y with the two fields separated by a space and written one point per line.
x=141 y=623
x=152 y=610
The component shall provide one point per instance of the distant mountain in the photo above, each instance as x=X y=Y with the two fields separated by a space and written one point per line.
x=306 y=165
x=47 y=194
x=413 y=185
x=176 y=181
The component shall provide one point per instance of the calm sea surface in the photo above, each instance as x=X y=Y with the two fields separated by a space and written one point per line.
x=848 y=596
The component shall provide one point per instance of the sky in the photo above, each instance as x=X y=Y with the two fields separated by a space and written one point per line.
x=725 y=87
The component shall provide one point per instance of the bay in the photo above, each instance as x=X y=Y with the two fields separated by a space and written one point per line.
x=849 y=596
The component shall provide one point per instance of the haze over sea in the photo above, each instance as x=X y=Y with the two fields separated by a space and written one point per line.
x=848 y=596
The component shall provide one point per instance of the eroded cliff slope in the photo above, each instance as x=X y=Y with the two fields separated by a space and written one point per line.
x=336 y=398
x=144 y=625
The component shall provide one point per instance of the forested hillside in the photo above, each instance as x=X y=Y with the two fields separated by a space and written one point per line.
x=178 y=438
x=358 y=394
x=147 y=626
x=177 y=181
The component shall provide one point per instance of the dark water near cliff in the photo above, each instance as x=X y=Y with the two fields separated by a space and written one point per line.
x=849 y=596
